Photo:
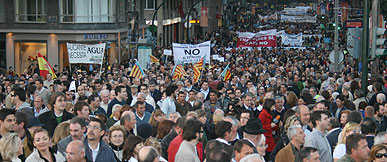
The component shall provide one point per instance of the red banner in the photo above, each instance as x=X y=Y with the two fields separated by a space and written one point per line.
x=258 y=41
x=204 y=16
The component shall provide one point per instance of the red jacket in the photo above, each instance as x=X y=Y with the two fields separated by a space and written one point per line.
x=266 y=119
x=174 y=147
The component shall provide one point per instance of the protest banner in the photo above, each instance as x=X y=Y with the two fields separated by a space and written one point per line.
x=292 y=40
x=191 y=53
x=86 y=53
x=266 y=38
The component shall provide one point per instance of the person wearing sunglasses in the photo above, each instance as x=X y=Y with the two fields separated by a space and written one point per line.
x=378 y=153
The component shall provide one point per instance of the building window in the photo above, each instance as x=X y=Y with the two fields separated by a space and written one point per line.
x=31 y=11
x=86 y=11
x=150 y=4
x=2 y=11
x=122 y=15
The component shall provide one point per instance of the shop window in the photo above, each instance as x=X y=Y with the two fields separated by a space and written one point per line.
x=87 y=11
x=31 y=11
x=2 y=11
x=27 y=52
x=150 y=4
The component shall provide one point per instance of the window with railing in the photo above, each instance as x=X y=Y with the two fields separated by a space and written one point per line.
x=31 y=10
x=86 y=11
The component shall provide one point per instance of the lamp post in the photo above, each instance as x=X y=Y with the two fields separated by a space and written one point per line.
x=189 y=14
x=365 y=48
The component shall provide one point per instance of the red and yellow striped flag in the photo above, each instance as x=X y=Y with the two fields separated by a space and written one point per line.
x=45 y=67
x=200 y=65
x=137 y=71
x=196 y=73
x=153 y=59
x=179 y=72
x=226 y=73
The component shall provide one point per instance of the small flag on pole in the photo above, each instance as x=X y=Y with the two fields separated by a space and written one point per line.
x=45 y=67
x=226 y=74
x=201 y=64
x=137 y=71
x=153 y=59
x=196 y=74
x=178 y=72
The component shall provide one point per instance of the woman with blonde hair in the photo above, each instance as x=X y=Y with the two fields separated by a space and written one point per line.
x=154 y=142
x=350 y=128
x=60 y=132
x=10 y=148
x=117 y=134
x=378 y=153
x=291 y=99
x=156 y=117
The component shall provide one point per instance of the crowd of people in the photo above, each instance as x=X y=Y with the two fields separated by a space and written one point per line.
x=279 y=105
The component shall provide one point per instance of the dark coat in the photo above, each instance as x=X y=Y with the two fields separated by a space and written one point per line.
x=104 y=154
x=49 y=120
x=333 y=137
x=165 y=143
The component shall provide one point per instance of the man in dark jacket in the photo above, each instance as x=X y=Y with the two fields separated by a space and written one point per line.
x=170 y=136
x=57 y=115
x=96 y=149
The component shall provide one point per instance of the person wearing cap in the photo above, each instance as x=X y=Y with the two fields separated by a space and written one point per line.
x=252 y=131
x=133 y=94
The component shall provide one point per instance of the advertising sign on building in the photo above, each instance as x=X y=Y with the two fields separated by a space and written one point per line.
x=86 y=53
x=191 y=53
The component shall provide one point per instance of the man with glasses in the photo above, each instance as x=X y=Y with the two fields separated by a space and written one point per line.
x=18 y=98
x=77 y=130
x=97 y=150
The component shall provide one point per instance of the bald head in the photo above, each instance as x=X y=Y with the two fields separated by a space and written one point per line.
x=148 y=154
x=75 y=151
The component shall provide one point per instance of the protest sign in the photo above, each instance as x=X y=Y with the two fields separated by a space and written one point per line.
x=292 y=40
x=86 y=53
x=191 y=53
x=266 y=38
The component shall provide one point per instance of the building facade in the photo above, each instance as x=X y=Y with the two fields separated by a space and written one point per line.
x=29 y=26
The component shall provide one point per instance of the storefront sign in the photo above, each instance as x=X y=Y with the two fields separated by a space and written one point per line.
x=266 y=38
x=191 y=53
x=86 y=53
x=95 y=36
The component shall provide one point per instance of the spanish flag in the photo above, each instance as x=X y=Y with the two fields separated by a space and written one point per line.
x=226 y=74
x=45 y=67
x=153 y=59
x=137 y=71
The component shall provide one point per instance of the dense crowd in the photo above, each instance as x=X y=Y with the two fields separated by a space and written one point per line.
x=280 y=104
